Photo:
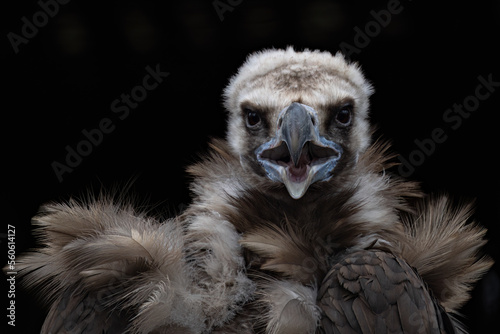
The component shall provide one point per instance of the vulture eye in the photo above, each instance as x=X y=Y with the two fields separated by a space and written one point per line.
x=253 y=118
x=343 y=116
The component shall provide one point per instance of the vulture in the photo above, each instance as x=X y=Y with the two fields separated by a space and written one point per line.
x=298 y=224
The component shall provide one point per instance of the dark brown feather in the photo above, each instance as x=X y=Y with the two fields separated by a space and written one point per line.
x=367 y=308
x=81 y=311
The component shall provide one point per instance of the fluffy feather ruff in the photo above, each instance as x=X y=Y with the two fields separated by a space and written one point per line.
x=445 y=248
x=372 y=210
x=101 y=246
x=283 y=250
x=106 y=248
x=367 y=203
x=289 y=243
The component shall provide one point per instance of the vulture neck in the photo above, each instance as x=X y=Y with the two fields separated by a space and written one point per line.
x=359 y=210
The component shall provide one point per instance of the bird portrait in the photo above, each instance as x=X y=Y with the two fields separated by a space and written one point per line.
x=298 y=224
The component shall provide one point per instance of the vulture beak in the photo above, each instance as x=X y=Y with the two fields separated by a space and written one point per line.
x=298 y=156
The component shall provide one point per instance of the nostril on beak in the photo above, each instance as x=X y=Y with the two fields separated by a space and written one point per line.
x=313 y=120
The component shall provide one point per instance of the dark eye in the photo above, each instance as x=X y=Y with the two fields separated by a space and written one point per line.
x=344 y=115
x=253 y=118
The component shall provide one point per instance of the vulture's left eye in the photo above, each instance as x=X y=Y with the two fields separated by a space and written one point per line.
x=344 y=115
x=253 y=118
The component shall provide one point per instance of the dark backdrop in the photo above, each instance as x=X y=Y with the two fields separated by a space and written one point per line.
x=63 y=66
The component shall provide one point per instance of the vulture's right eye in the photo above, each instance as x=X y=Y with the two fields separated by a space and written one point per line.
x=252 y=117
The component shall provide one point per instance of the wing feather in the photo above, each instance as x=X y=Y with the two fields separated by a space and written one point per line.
x=372 y=291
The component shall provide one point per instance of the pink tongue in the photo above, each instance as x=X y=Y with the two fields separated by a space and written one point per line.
x=299 y=173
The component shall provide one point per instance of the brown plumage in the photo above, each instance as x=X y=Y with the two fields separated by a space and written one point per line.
x=297 y=226
x=373 y=291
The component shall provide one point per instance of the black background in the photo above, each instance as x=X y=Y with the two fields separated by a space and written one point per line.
x=64 y=79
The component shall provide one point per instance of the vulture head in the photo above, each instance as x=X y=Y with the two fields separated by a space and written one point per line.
x=297 y=119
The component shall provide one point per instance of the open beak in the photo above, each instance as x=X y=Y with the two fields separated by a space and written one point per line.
x=298 y=156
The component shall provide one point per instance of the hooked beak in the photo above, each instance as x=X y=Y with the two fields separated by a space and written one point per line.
x=298 y=156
